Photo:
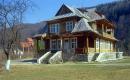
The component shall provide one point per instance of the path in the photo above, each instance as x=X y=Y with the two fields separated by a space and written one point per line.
x=24 y=62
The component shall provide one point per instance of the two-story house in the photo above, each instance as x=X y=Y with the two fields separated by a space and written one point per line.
x=77 y=31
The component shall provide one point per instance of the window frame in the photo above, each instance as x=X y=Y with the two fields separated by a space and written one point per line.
x=69 y=26
x=73 y=43
x=55 y=28
x=51 y=44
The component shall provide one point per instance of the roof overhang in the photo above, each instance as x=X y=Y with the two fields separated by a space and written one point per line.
x=40 y=36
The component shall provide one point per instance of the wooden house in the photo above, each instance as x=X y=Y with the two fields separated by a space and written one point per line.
x=79 y=32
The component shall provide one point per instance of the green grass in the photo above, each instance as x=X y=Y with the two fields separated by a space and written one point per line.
x=69 y=71
x=126 y=59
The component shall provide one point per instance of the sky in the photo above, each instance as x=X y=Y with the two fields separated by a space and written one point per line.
x=46 y=9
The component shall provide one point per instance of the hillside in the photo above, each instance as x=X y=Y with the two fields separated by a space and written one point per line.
x=119 y=13
x=28 y=30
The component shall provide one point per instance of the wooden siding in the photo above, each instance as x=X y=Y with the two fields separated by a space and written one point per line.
x=81 y=42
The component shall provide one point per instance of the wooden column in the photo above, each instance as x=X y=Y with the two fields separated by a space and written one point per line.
x=103 y=28
x=61 y=44
x=114 y=47
x=95 y=44
x=87 y=43
x=37 y=46
x=99 y=45
x=50 y=45
x=110 y=46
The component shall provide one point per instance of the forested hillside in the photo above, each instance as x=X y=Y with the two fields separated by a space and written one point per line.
x=29 y=30
x=119 y=13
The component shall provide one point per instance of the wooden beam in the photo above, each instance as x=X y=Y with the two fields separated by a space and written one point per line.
x=95 y=44
x=99 y=45
x=114 y=47
x=61 y=43
x=87 y=43
x=110 y=47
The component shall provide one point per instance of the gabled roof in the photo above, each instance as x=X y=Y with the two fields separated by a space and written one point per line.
x=70 y=11
x=63 y=10
x=93 y=15
x=67 y=11
x=81 y=26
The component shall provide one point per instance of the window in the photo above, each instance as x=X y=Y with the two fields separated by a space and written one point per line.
x=73 y=43
x=54 y=28
x=53 y=45
x=69 y=26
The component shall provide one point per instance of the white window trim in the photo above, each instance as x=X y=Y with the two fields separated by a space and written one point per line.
x=73 y=42
x=53 y=26
x=66 y=26
x=56 y=40
x=51 y=44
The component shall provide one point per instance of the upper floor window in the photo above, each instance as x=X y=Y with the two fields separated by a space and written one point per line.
x=54 y=28
x=69 y=25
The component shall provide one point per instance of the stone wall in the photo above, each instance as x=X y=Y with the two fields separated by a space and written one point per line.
x=100 y=57
x=109 y=56
x=119 y=55
x=92 y=56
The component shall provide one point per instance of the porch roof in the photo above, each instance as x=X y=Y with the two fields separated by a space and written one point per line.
x=40 y=35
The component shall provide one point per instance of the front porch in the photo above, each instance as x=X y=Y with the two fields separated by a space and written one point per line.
x=81 y=46
x=73 y=45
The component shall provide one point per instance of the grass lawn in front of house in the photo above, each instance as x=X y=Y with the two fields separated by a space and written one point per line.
x=69 y=71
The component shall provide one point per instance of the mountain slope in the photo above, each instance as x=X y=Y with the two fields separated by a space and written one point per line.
x=29 y=30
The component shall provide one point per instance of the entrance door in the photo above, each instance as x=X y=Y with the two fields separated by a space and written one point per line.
x=66 y=46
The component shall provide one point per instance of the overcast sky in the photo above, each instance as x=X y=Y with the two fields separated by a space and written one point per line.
x=45 y=9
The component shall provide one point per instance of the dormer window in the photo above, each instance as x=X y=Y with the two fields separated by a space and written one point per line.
x=54 y=28
x=69 y=26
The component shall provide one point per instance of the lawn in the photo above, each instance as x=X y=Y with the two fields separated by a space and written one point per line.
x=69 y=71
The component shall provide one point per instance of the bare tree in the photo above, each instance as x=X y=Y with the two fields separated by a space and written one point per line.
x=11 y=17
